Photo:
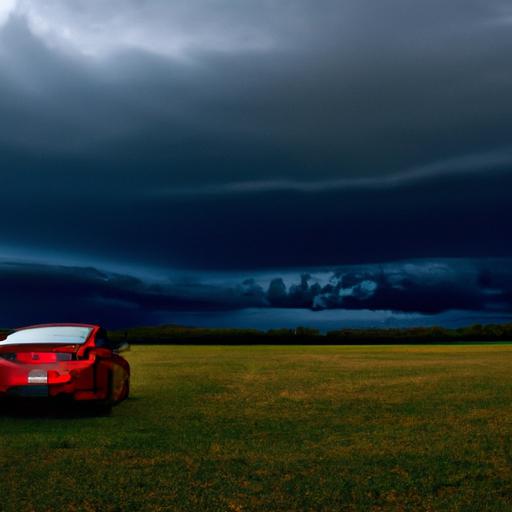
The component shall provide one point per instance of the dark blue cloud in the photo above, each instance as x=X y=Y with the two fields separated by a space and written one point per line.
x=292 y=137
x=450 y=217
x=43 y=293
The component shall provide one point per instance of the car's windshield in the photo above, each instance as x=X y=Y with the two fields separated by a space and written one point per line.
x=69 y=335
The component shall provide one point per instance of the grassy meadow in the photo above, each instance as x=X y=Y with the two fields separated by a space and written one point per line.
x=307 y=428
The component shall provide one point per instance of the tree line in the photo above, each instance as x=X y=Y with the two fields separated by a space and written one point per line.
x=183 y=335
x=175 y=334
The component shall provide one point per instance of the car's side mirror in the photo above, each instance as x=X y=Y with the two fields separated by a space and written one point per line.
x=123 y=347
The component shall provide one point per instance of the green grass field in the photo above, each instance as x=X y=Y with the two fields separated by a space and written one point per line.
x=279 y=429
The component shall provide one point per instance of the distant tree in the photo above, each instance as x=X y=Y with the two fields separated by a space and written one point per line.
x=305 y=332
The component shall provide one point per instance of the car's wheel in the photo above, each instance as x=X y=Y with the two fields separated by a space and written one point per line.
x=104 y=407
x=125 y=393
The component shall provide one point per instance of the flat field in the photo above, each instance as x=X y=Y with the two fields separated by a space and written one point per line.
x=277 y=429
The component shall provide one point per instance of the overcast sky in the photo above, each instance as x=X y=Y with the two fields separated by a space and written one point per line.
x=187 y=160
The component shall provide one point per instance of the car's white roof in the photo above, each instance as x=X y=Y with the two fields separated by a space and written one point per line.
x=63 y=334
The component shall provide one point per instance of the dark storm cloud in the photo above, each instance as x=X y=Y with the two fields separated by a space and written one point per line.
x=39 y=293
x=253 y=136
x=45 y=293
x=463 y=215
x=415 y=83
x=398 y=291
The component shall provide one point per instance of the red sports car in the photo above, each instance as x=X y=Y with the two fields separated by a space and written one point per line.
x=59 y=360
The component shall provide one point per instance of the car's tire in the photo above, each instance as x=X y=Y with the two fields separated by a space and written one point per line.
x=104 y=407
x=126 y=391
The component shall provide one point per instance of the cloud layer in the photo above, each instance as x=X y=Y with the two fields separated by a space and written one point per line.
x=248 y=137
x=418 y=85
x=63 y=293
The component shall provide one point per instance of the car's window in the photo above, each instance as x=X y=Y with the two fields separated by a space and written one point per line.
x=103 y=341
x=69 y=335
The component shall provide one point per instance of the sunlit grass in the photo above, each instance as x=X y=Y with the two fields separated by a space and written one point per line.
x=278 y=428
